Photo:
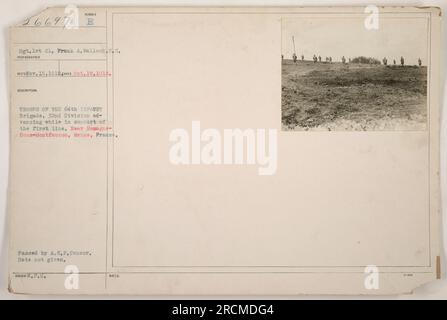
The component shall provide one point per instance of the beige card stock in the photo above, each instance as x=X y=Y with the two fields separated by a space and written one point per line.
x=224 y=150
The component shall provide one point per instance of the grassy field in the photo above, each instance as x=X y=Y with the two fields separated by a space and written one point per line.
x=336 y=96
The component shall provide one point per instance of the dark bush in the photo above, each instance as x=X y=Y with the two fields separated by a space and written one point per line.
x=365 y=60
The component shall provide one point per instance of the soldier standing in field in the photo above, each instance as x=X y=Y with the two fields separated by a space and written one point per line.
x=343 y=59
x=385 y=61
x=402 y=61
x=394 y=61
x=419 y=62
x=302 y=57
x=294 y=57
x=314 y=58
x=319 y=58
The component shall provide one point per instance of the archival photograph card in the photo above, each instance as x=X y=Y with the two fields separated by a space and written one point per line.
x=225 y=151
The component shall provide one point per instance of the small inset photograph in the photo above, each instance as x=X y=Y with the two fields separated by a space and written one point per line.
x=339 y=75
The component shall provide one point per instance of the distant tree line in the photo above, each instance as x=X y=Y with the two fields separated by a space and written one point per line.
x=365 y=60
x=360 y=60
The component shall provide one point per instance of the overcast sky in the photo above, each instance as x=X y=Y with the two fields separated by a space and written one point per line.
x=348 y=37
